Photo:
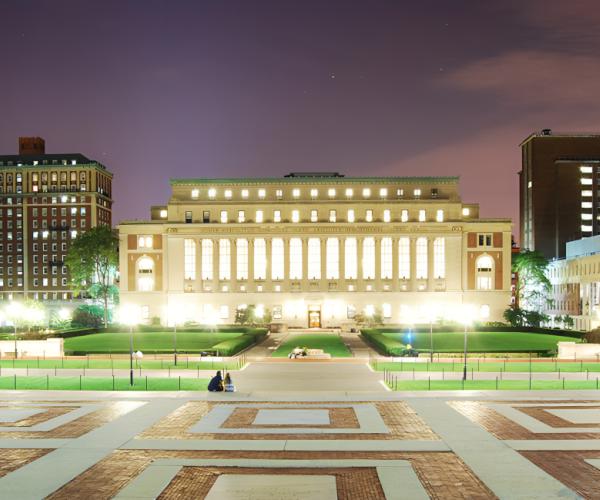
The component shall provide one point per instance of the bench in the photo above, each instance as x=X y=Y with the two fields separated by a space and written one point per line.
x=315 y=354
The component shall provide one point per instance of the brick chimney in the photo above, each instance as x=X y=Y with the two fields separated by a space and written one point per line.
x=32 y=146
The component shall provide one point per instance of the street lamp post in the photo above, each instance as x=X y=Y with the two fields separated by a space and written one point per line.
x=15 y=312
x=131 y=354
x=130 y=315
x=175 y=342
x=465 y=365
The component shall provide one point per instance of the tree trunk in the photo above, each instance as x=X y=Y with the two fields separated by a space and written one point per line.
x=105 y=310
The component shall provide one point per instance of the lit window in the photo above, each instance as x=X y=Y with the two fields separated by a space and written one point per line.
x=350 y=259
x=279 y=194
x=260 y=259
x=314 y=215
x=404 y=258
x=369 y=215
x=421 y=258
x=296 y=193
x=295 y=259
x=368 y=260
x=259 y=216
x=466 y=211
x=224 y=216
x=587 y=193
x=242 y=259
x=586 y=181
x=189 y=249
x=586 y=217
x=331 y=192
x=417 y=193
x=387 y=215
x=421 y=215
x=262 y=193
x=145 y=279
x=404 y=215
x=332 y=215
x=586 y=204
x=333 y=259
x=383 y=192
x=439 y=215
x=485 y=268
x=351 y=215
x=277 y=259
x=366 y=192
x=369 y=310
x=386 y=309
x=295 y=215
x=277 y=216
x=73 y=234
x=349 y=192
x=224 y=312
x=314 y=258
x=228 y=194
x=244 y=194
x=144 y=241
x=195 y=193
x=439 y=258
x=224 y=259
x=386 y=258
x=163 y=214
x=586 y=169
x=212 y=193
x=586 y=229
x=241 y=216
x=529 y=184
x=399 y=193
x=207 y=259
x=314 y=193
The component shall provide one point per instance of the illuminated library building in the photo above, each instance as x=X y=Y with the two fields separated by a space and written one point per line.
x=315 y=250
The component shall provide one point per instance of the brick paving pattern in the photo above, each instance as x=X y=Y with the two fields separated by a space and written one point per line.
x=401 y=420
x=442 y=474
x=541 y=413
x=340 y=418
x=13 y=459
x=49 y=413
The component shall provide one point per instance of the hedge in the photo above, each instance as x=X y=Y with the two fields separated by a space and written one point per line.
x=384 y=345
x=574 y=334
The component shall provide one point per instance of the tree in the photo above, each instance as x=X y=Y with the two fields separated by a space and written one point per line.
x=88 y=315
x=533 y=285
x=515 y=316
x=249 y=315
x=92 y=262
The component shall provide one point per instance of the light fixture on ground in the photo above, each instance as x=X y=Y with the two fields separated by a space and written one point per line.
x=174 y=318
x=130 y=316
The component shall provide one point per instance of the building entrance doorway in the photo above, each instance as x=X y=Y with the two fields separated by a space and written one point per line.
x=314 y=316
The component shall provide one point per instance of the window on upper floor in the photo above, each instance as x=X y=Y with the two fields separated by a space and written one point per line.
x=484 y=240
x=349 y=192
x=228 y=194
x=245 y=194
x=383 y=192
x=212 y=193
x=314 y=194
x=422 y=215
x=241 y=216
x=366 y=192
x=277 y=216
x=332 y=215
x=331 y=192
x=262 y=193
x=296 y=193
x=279 y=194
x=314 y=215
x=439 y=215
x=224 y=216
x=350 y=216
x=369 y=215
x=417 y=193
x=387 y=215
x=295 y=215
x=259 y=216
x=144 y=241
x=404 y=215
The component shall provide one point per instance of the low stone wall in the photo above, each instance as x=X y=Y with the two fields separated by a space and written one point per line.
x=571 y=350
x=32 y=348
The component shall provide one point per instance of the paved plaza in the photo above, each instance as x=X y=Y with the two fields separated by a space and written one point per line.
x=271 y=441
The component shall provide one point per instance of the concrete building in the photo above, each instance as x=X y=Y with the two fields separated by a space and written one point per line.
x=315 y=249
x=46 y=200
x=559 y=190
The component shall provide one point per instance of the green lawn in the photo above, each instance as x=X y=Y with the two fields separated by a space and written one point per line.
x=489 y=385
x=183 y=363
x=102 y=384
x=489 y=366
x=481 y=341
x=329 y=342
x=149 y=342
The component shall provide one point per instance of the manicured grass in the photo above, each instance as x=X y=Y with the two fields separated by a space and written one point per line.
x=183 y=363
x=481 y=341
x=150 y=342
x=488 y=366
x=489 y=385
x=102 y=384
x=329 y=342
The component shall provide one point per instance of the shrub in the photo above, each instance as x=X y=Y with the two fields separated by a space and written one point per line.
x=384 y=345
x=88 y=315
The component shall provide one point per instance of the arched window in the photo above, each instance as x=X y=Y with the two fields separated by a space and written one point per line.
x=145 y=274
x=485 y=273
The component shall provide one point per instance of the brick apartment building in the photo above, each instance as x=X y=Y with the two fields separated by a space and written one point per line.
x=46 y=201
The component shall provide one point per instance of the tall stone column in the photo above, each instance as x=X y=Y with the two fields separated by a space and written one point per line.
x=250 y=262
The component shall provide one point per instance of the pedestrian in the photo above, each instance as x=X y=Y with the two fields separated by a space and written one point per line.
x=216 y=383
x=228 y=383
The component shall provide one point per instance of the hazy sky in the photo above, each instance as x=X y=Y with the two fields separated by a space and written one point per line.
x=160 y=89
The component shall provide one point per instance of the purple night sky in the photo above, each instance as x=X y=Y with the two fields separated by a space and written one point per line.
x=158 y=89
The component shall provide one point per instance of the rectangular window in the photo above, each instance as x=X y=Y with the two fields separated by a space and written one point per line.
x=277 y=216
x=421 y=258
x=260 y=259
x=350 y=215
x=262 y=193
x=223 y=216
x=368 y=260
x=439 y=215
x=241 y=216
x=314 y=215
x=484 y=283
x=277 y=259
x=422 y=215
x=207 y=259
x=259 y=216
x=244 y=194
x=242 y=259
x=279 y=194
x=369 y=216
x=295 y=215
x=386 y=258
x=404 y=258
x=333 y=259
x=188 y=217
x=277 y=312
x=332 y=216
x=387 y=215
x=350 y=259
x=224 y=259
x=439 y=258
x=484 y=240
x=295 y=259
x=314 y=259
x=206 y=217
x=189 y=259
x=224 y=312
x=386 y=309
x=314 y=193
